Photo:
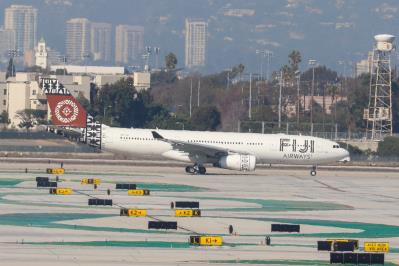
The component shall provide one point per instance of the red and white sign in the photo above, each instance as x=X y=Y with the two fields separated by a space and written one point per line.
x=66 y=111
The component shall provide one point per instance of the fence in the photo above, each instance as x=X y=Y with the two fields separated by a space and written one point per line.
x=326 y=130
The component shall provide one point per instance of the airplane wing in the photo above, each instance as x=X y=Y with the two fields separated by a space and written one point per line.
x=195 y=148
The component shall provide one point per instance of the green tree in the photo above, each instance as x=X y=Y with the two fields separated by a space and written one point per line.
x=239 y=69
x=388 y=147
x=332 y=90
x=170 y=61
x=4 y=118
x=30 y=118
x=294 y=59
x=206 y=118
x=84 y=102
x=119 y=104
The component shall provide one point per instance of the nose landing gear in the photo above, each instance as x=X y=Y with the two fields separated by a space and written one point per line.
x=196 y=169
x=313 y=171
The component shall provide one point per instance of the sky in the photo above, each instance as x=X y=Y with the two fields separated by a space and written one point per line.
x=330 y=31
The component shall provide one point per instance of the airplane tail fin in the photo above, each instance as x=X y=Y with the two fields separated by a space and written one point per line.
x=66 y=112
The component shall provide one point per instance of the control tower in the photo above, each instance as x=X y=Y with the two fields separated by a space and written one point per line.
x=378 y=115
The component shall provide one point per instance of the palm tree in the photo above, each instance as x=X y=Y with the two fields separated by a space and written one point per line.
x=333 y=90
x=294 y=58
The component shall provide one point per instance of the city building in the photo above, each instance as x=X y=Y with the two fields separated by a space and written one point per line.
x=7 y=43
x=129 y=44
x=100 y=41
x=41 y=54
x=76 y=84
x=23 y=21
x=89 y=70
x=23 y=92
x=77 y=41
x=142 y=80
x=364 y=66
x=54 y=57
x=196 y=41
x=305 y=101
x=102 y=80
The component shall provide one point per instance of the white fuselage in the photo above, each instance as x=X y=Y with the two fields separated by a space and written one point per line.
x=267 y=148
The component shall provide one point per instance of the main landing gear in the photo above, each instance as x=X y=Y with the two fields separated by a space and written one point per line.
x=313 y=170
x=196 y=169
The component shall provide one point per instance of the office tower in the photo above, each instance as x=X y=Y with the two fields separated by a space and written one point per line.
x=129 y=44
x=23 y=21
x=196 y=40
x=7 y=42
x=100 y=41
x=77 y=40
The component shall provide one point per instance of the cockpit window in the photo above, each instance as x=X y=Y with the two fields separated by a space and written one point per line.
x=335 y=146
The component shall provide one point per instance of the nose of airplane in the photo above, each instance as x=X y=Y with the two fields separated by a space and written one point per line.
x=345 y=155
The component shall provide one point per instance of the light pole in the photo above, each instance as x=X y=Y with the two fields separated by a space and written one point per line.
x=250 y=97
x=191 y=96
x=86 y=58
x=228 y=77
x=298 y=82
x=312 y=63
x=147 y=58
x=64 y=61
x=199 y=89
x=264 y=54
x=13 y=53
x=279 y=99
x=157 y=50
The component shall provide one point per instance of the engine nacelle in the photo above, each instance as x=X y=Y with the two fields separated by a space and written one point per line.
x=238 y=162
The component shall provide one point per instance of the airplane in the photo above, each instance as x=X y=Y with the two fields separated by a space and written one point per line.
x=228 y=150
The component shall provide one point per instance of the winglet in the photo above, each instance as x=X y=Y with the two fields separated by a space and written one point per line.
x=155 y=135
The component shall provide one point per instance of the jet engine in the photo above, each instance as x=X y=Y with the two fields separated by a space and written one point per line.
x=238 y=162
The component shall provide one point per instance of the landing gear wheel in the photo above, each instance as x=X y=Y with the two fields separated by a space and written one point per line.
x=190 y=170
x=201 y=170
x=313 y=173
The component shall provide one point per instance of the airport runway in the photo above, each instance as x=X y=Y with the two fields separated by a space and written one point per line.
x=37 y=228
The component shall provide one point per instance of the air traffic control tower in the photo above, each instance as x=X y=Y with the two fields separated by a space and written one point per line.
x=378 y=115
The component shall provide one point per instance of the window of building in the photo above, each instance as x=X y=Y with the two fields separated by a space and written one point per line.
x=33 y=92
x=4 y=102
x=5 y=92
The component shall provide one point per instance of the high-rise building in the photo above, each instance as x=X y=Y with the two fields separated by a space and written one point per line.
x=77 y=40
x=129 y=44
x=41 y=54
x=100 y=41
x=196 y=40
x=364 y=66
x=23 y=21
x=7 y=42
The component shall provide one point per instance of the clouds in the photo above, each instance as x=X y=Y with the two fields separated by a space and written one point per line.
x=386 y=11
x=339 y=4
x=296 y=3
x=296 y=35
x=58 y=2
x=267 y=42
x=313 y=10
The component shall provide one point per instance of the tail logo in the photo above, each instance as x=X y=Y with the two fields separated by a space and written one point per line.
x=66 y=111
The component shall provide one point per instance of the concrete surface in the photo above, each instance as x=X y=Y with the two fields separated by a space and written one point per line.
x=41 y=229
